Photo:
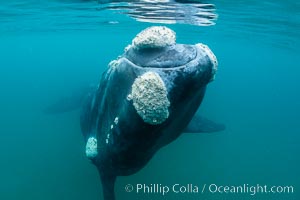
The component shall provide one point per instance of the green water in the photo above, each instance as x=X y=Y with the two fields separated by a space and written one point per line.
x=49 y=50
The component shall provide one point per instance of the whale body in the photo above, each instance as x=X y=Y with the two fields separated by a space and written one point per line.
x=146 y=99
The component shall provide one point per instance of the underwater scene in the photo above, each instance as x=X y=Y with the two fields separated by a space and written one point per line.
x=149 y=100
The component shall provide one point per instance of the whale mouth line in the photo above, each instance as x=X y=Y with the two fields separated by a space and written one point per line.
x=191 y=60
x=162 y=68
x=169 y=57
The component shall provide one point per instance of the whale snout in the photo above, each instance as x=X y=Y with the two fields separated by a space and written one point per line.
x=156 y=48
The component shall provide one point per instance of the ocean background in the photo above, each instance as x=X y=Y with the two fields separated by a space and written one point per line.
x=49 y=49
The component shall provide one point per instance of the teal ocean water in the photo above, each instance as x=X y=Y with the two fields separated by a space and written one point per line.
x=48 y=49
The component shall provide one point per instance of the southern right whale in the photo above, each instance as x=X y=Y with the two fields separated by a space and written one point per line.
x=145 y=100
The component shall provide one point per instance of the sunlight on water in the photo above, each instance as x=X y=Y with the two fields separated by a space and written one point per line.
x=168 y=12
x=257 y=19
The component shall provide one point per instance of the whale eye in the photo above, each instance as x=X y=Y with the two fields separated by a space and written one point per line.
x=149 y=97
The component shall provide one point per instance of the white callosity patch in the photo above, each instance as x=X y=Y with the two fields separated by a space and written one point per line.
x=154 y=37
x=116 y=121
x=127 y=48
x=107 y=138
x=212 y=57
x=149 y=96
x=91 y=150
x=114 y=63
